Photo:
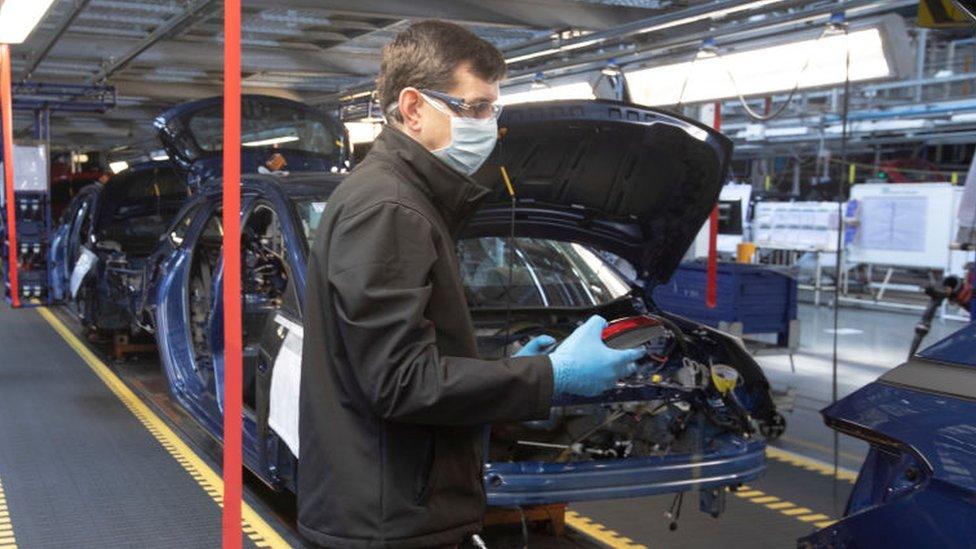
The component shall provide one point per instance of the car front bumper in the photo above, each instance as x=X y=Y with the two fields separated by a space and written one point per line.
x=532 y=483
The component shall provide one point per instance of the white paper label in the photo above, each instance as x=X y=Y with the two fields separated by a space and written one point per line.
x=84 y=264
x=286 y=380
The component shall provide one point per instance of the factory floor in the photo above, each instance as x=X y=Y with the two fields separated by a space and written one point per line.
x=93 y=454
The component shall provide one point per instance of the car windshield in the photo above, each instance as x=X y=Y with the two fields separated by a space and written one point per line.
x=266 y=124
x=546 y=273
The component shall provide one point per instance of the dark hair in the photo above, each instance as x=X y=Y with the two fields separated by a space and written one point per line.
x=426 y=54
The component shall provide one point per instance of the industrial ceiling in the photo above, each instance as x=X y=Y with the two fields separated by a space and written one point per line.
x=159 y=53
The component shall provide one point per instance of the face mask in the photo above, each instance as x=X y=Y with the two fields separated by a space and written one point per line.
x=472 y=140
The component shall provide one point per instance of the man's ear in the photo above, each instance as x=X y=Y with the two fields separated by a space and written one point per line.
x=410 y=104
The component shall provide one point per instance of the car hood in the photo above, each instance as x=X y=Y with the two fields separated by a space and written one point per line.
x=188 y=150
x=634 y=181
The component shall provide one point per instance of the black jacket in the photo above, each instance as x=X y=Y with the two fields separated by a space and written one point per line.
x=393 y=396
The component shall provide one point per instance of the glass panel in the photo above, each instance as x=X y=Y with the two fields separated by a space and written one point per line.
x=266 y=125
x=544 y=273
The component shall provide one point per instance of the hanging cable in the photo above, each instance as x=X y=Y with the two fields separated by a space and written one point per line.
x=796 y=86
x=511 y=258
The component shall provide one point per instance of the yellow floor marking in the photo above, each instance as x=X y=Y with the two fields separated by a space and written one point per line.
x=780 y=505
x=821 y=448
x=796 y=511
x=7 y=538
x=824 y=523
x=749 y=493
x=205 y=476
x=810 y=464
x=600 y=533
x=813 y=518
x=764 y=499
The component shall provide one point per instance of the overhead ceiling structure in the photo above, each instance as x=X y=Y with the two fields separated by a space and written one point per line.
x=159 y=52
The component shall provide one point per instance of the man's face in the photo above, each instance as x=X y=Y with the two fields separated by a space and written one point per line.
x=432 y=127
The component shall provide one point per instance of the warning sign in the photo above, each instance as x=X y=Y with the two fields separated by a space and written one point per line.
x=941 y=14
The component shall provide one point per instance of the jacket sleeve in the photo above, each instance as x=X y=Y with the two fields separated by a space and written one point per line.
x=379 y=267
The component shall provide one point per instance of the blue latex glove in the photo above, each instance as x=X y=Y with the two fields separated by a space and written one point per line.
x=583 y=365
x=538 y=345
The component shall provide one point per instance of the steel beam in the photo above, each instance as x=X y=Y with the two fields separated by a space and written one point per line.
x=172 y=27
x=193 y=54
x=79 y=6
x=549 y=14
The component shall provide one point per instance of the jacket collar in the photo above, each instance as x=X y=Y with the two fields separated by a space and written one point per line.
x=455 y=194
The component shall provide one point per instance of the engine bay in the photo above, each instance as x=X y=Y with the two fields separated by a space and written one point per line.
x=683 y=398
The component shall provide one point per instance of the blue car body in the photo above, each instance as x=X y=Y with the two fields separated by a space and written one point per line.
x=917 y=486
x=307 y=140
x=119 y=223
x=181 y=299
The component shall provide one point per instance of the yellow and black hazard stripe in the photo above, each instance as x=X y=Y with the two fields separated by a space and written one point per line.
x=809 y=464
x=787 y=508
x=7 y=538
x=253 y=526
x=599 y=532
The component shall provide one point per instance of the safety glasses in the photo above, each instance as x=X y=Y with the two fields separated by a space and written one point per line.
x=479 y=110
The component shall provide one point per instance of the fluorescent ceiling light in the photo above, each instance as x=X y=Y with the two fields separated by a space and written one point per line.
x=19 y=17
x=363 y=131
x=576 y=90
x=763 y=71
x=160 y=157
x=880 y=125
x=271 y=141
x=964 y=117
x=789 y=131
x=118 y=166
x=531 y=55
x=710 y=15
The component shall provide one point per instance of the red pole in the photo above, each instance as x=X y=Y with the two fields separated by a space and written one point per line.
x=233 y=391
x=711 y=281
x=7 y=120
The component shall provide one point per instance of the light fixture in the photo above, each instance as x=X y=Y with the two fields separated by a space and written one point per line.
x=363 y=131
x=963 y=117
x=576 y=90
x=118 y=166
x=271 y=141
x=19 y=17
x=612 y=69
x=868 y=126
x=764 y=71
x=718 y=14
x=539 y=82
x=531 y=55
x=159 y=156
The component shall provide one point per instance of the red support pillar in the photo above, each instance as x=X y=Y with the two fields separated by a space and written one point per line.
x=7 y=121
x=233 y=392
x=711 y=281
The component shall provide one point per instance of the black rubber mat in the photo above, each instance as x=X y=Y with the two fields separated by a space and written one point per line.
x=78 y=469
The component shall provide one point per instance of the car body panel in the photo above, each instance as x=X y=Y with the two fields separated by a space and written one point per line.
x=510 y=484
x=728 y=460
x=119 y=222
x=637 y=182
x=917 y=487
x=202 y=163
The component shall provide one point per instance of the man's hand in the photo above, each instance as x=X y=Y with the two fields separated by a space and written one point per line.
x=583 y=365
x=538 y=345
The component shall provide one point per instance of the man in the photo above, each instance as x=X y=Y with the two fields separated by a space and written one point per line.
x=394 y=399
